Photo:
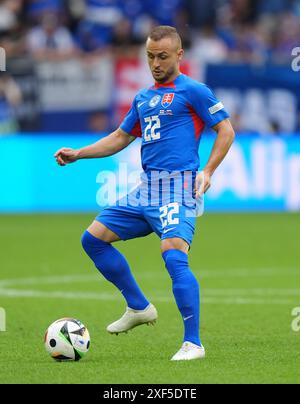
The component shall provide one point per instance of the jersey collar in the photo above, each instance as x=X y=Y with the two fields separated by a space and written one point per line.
x=171 y=84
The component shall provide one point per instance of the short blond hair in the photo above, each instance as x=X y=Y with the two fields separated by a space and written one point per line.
x=165 y=31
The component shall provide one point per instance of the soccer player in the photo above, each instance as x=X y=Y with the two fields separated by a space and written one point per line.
x=169 y=117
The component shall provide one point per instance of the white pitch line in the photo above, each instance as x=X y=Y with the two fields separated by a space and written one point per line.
x=57 y=294
x=229 y=273
x=201 y=273
x=71 y=279
x=48 y=280
x=237 y=300
x=239 y=296
x=249 y=291
x=248 y=301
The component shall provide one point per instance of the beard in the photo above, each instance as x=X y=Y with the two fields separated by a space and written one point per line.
x=166 y=77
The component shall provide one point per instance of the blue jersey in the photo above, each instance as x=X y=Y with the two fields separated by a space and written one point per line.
x=170 y=119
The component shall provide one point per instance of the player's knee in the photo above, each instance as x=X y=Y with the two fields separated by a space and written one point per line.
x=91 y=244
x=174 y=244
x=178 y=267
x=101 y=232
x=86 y=241
x=176 y=261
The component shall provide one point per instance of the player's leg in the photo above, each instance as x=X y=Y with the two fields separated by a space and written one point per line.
x=186 y=293
x=113 y=266
x=96 y=242
x=175 y=224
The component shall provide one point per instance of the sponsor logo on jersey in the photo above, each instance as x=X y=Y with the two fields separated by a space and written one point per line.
x=167 y=100
x=155 y=101
x=216 y=108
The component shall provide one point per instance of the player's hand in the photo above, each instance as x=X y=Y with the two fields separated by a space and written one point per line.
x=202 y=184
x=66 y=156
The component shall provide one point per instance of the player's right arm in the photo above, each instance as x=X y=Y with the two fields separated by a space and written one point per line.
x=105 y=147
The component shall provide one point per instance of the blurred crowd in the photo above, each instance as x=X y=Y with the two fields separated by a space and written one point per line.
x=235 y=30
x=214 y=31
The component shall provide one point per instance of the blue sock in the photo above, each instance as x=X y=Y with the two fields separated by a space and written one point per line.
x=113 y=266
x=186 y=293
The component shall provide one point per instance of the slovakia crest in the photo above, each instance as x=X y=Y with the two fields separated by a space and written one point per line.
x=167 y=100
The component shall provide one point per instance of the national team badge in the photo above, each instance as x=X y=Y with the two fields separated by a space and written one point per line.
x=167 y=100
x=155 y=101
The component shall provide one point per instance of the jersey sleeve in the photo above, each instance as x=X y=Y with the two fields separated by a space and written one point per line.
x=131 y=123
x=207 y=106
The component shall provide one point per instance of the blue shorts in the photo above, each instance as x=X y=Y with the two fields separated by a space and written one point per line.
x=132 y=220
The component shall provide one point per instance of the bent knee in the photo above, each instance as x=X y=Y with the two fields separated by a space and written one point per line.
x=87 y=241
x=92 y=245
x=101 y=232
x=174 y=244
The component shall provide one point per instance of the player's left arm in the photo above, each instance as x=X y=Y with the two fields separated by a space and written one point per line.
x=224 y=140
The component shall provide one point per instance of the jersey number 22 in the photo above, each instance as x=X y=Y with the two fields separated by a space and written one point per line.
x=151 y=130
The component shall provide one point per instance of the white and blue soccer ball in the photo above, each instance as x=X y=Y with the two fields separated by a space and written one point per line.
x=67 y=339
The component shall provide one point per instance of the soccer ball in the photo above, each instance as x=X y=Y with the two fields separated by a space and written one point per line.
x=67 y=339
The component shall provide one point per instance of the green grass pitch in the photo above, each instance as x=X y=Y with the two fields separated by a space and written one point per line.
x=249 y=269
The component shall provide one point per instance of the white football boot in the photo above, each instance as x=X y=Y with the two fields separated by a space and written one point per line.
x=189 y=351
x=133 y=318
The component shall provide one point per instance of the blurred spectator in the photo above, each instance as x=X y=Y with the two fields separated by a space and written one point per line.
x=140 y=19
x=8 y=14
x=164 y=11
x=243 y=11
x=124 y=42
x=92 y=38
x=96 y=29
x=51 y=41
x=75 y=12
x=133 y=9
x=11 y=29
x=35 y=8
x=10 y=98
x=287 y=37
x=273 y=6
x=13 y=43
x=208 y=47
x=296 y=8
x=200 y=12
x=142 y=26
x=263 y=36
